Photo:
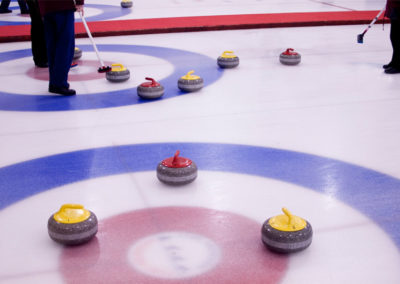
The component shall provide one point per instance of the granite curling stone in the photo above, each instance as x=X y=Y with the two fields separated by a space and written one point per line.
x=177 y=170
x=77 y=53
x=290 y=57
x=72 y=225
x=126 y=3
x=150 y=90
x=228 y=60
x=190 y=83
x=118 y=73
x=286 y=233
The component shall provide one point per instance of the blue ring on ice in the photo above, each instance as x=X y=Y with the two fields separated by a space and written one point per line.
x=182 y=60
x=374 y=194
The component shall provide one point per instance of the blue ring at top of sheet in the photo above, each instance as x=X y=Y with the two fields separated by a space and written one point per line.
x=182 y=60
x=374 y=194
x=108 y=12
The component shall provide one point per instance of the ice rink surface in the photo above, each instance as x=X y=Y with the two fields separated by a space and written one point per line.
x=320 y=138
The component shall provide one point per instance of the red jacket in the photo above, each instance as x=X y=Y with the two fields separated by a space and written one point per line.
x=48 y=6
x=392 y=8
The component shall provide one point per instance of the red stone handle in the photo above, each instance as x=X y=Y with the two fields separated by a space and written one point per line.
x=152 y=83
x=289 y=51
x=175 y=160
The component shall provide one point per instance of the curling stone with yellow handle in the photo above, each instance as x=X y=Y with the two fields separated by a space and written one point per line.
x=126 y=3
x=118 y=73
x=290 y=57
x=77 y=53
x=228 y=60
x=72 y=225
x=190 y=83
x=286 y=233
x=176 y=170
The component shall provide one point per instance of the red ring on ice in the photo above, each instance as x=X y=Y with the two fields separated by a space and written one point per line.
x=244 y=259
x=43 y=73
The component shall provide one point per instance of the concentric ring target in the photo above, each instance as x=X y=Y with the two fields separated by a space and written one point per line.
x=182 y=60
x=108 y=12
x=117 y=235
x=371 y=192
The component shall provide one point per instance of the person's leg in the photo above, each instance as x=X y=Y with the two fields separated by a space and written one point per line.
x=4 y=6
x=395 y=39
x=394 y=65
x=39 y=50
x=65 y=47
x=51 y=37
x=23 y=7
x=60 y=37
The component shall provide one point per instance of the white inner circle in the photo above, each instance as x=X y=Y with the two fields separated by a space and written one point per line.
x=139 y=66
x=174 y=255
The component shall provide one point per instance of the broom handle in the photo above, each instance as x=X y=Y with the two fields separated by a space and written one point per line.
x=91 y=38
x=375 y=19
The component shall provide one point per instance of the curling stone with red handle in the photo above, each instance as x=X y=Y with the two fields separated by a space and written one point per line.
x=177 y=170
x=150 y=90
x=290 y=57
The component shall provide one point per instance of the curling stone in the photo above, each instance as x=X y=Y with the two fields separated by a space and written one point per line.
x=150 y=90
x=177 y=170
x=118 y=73
x=286 y=233
x=290 y=57
x=126 y=3
x=77 y=53
x=72 y=225
x=228 y=60
x=190 y=83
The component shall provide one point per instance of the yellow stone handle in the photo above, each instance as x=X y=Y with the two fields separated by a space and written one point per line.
x=71 y=206
x=287 y=222
x=289 y=215
x=189 y=76
x=228 y=54
x=71 y=213
x=117 y=67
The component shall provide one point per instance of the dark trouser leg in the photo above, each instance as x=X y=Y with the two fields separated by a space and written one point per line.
x=23 y=7
x=5 y=4
x=39 y=50
x=395 y=39
x=60 y=39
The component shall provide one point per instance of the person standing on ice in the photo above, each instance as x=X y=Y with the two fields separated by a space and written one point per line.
x=393 y=13
x=59 y=21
